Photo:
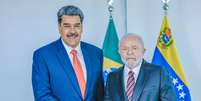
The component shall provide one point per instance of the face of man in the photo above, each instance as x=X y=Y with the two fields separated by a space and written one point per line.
x=70 y=29
x=131 y=51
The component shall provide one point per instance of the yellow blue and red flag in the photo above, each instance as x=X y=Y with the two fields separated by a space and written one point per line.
x=166 y=55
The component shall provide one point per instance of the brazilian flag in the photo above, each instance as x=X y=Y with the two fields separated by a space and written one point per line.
x=112 y=59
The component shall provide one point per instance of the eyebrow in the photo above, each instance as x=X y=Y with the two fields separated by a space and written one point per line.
x=70 y=24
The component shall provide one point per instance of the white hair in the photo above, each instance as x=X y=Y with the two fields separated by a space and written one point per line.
x=132 y=35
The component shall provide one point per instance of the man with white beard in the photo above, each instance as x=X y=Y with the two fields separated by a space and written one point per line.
x=138 y=80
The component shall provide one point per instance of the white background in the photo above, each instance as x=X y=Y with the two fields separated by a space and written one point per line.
x=26 y=25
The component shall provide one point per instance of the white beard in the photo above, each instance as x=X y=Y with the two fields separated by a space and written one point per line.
x=131 y=63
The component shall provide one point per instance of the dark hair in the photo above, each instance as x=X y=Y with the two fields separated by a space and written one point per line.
x=71 y=11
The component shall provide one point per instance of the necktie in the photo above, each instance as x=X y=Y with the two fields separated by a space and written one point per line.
x=78 y=71
x=130 y=85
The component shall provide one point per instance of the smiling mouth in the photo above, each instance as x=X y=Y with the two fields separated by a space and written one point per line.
x=72 y=36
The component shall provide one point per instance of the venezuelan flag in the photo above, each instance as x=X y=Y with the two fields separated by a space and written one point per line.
x=112 y=59
x=166 y=55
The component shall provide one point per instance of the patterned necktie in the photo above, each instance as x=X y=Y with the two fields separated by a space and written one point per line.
x=130 y=85
x=78 y=71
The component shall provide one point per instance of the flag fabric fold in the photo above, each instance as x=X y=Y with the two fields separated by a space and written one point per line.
x=112 y=59
x=165 y=54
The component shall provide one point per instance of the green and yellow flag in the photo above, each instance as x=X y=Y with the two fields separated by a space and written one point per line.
x=112 y=59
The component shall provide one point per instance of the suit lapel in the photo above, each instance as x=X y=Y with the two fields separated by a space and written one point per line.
x=141 y=80
x=122 y=86
x=67 y=66
x=88 y=67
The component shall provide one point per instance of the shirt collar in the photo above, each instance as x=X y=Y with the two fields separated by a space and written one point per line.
x=68 y=48
x=136 y=70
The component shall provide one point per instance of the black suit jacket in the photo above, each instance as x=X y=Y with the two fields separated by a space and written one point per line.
x=153 y=84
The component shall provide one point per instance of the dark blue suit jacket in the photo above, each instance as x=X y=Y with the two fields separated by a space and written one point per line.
x=153 y=84
x=54 y=79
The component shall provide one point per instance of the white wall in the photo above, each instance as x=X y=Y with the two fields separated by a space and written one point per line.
x=26 y=25
x=145 y=18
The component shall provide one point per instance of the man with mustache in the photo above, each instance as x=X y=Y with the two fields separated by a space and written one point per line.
x=138 y=80
x=68 y=69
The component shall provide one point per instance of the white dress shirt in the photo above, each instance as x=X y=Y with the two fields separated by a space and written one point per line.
x=79 y=55
x=136 y=71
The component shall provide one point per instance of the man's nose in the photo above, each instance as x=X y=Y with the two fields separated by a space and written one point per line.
x=130 y=51
x=72 y=29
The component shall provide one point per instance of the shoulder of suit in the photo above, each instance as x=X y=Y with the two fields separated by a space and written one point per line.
x=152 y=67
x=118 y=71
x=90 y=46
x=47 y=47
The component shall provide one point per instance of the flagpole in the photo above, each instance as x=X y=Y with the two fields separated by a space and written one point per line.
x=110 y=7
x=126 y=11
x=165 y=6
